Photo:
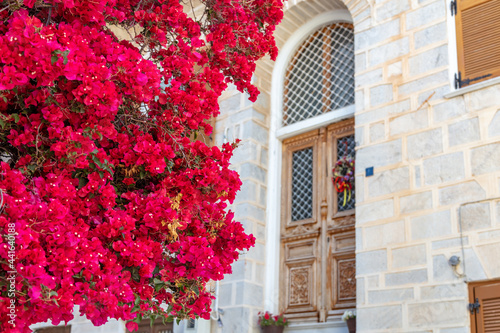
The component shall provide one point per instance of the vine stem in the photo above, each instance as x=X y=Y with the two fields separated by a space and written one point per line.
x=1 y=10
x=48 y=16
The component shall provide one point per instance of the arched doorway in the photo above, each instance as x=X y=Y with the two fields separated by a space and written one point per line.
x=317 y=261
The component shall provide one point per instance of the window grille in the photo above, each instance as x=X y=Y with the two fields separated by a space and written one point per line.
x=302 y=184
x=320 y=77
x=345 y=147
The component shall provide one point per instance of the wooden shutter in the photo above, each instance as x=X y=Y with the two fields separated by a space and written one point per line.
x=486 y=319
x=478 y=39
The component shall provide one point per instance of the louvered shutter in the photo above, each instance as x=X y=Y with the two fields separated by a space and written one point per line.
x=478 y=39
x=485 y=306
x=488 y=316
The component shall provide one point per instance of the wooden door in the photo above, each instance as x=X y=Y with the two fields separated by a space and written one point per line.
x=341 y=268
x=317 y=229
x=300 y=226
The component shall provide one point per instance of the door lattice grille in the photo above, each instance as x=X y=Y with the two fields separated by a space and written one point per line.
x=320 y=77
x=302 y=184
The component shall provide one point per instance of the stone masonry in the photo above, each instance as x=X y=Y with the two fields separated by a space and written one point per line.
x=241 y=294
x=436 y=159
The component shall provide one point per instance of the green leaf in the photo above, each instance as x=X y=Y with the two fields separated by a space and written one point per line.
x=96 y=161
x=170 y=164
x=82 y=182
x=54 y=59
x=2 y=123
x=65 y=56
x=159 y=284
x=152 y=319
x=16 y=117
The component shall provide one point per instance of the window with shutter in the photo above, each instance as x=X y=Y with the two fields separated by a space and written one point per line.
x=478 y=40
x=485 y=306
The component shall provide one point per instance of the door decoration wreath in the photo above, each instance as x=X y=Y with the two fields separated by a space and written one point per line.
x=343 y=177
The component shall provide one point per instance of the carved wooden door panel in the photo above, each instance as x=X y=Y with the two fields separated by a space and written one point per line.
x=317 y=237
x=341 y=268
x=300 y=225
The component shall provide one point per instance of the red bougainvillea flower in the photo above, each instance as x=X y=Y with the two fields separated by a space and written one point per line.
x=108 y=201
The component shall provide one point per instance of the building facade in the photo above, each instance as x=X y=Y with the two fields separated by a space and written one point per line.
x=409 y=90
x=427 y=169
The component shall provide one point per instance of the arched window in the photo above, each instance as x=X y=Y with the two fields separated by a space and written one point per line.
x=320 y=76
x=317 y=221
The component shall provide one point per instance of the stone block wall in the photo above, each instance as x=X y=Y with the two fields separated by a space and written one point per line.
x=437 y=173
x=80 y=324
x=241 y=293
x=435 y=191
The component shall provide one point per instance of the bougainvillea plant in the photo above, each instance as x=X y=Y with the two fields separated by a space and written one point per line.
x=113 y=205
